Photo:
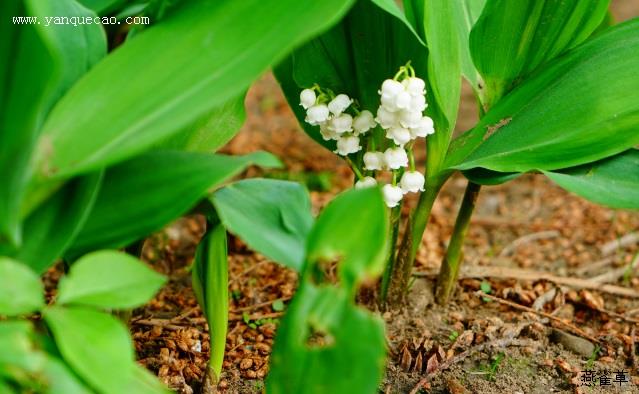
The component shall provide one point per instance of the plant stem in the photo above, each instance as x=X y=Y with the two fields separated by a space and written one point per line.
x=451 y=262
x=395 y=215
x=400 y=269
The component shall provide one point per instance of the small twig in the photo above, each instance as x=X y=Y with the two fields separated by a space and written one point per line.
x=594 y=266
x=626 y=240
x=521 y=274
x=246 y=271
x=503 y=342
x=614 y=275
x=257 y=316
x=160 y=323
x=544 y=299
x=261 y=304
x=633 y=356
x=510 y=248
x=569 y=326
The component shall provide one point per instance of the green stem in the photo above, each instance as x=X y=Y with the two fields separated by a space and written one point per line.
x=388 y=272
x=450 y=265
x=403 y=264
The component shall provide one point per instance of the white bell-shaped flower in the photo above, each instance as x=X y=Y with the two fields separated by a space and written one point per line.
x=339 y=104
x=374 y=161
x=415 y=86
x=392 y=195
x=418 y=104
x=389 y=103
x=341 y=123
x=399 y=135
x=327 y=134
x=410 y=119
x=403 y=100
x=386 y=118
x=307 y=98
x=395 y=158
x=365 y=182
x=347 y=145
x=412 y=182
x=391 y=88
x=317 y=114
x=363 y=122
x=424 y=128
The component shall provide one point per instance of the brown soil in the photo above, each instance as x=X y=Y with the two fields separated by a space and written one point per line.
x=473 y=345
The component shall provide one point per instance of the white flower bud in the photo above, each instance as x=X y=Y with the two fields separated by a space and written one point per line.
x=402 y=101
x=339 y=104
x=391 y=88
x=415 y=86
x=425 y=128
x=410 y=119
x=386 y=118
x=374 y=161
x=395 y=158
x=347 y=145
x=412 y=182
x=399 y=135
x=307 y=98
x=363 y=122
x=418 y=104
x=365 y=182
x=327 y=134
x=392 y=195
x=341 y=124
x=317 y=114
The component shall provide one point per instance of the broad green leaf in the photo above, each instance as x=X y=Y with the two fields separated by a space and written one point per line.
x=326 y=344
x=273 y=217
x=18 y=351
x=144 y=382
x=59 y=379
x=103 y=7
x=210 y=284
x=353 y=58
x=436 y=20
x=96 y=345
x=205 y=53
x=466 y=14
x=212 y=131
x=354 y=230
x=482 y=176
x=44 y=62
x=570 y=113
x=513 y=38
x=613 y=181
x=391 y=7
x=109 y=279
x=21 y=291
x=141 y=195
x=51 y=228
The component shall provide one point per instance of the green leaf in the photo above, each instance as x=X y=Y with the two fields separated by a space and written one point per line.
x=144 y=194
x=482 y=176
x=205 y=53
x=325 y=344
x=144 y=382
x=103 y=7
x=109 y=279
x=353 y=58
x=22 y=291
x=353 y=229
x=212 y=131
x=466 y=14
x=45 y=62
x=18 y=351
x=96 y=345
x=613 y=181
x=513 y=38
x=436 y=20
x=51 y=228
x=569 y=114
x=59 y=379
x=273 y=217
x=210 y=284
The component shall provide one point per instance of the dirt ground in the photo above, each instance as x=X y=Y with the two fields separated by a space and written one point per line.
x=568 y=268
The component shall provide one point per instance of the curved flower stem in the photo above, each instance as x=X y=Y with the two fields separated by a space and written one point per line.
x=450 y=265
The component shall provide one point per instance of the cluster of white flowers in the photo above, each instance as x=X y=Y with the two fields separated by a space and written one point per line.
x=334 y=122
x=400 y=117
